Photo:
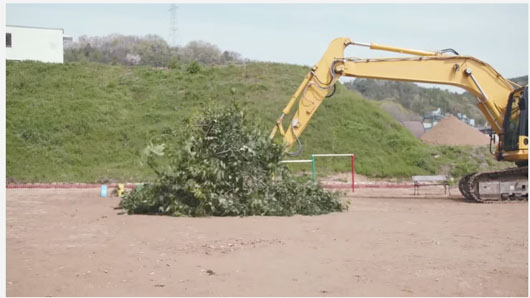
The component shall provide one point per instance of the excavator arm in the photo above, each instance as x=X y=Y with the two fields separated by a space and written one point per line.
x=475 y=76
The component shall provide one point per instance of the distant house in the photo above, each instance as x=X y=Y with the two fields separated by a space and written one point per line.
x=32 y=43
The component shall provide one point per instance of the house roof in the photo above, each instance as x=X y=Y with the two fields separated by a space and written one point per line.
x=7 y=26
x=416 y=127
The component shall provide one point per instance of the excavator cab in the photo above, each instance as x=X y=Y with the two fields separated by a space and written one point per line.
x=515 y=125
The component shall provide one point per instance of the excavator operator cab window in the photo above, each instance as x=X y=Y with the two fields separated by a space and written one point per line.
x=523 y=118
x=515 y=121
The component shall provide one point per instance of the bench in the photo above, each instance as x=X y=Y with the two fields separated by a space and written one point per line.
x=428 y=181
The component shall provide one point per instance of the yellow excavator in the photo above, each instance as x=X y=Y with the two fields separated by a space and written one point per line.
x=503 y=103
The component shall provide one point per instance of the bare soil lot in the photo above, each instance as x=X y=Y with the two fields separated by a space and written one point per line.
x=66 y=242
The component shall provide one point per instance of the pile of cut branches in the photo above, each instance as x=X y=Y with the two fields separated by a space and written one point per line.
x=223 y=165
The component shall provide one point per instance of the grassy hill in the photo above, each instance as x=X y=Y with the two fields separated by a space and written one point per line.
x=88 y=122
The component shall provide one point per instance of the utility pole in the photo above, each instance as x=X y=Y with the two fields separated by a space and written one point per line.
x=173 y=27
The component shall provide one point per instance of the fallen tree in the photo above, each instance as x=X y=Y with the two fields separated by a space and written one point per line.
x=223 y=165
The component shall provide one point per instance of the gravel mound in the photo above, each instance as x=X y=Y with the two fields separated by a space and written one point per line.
x=451 y=131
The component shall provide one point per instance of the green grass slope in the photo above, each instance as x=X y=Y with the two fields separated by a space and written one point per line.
x=87 y=122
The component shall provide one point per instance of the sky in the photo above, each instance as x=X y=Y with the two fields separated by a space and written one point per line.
x=300 y=33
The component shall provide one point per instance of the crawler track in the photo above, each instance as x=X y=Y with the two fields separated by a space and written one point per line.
x=469 y=185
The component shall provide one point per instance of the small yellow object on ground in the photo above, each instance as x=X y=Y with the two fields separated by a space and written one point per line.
x=120 y=189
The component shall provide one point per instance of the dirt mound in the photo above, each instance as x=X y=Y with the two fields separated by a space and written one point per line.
x=451 y=131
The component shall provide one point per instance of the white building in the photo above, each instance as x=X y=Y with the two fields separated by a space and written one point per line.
x=32 y=43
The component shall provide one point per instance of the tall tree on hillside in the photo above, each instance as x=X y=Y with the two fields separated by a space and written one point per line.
x=147 y=50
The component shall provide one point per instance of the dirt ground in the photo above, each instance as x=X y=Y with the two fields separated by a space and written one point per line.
x=66 y=242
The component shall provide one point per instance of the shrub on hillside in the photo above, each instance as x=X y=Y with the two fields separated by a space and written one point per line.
x=226 y=167
x=193 y=68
